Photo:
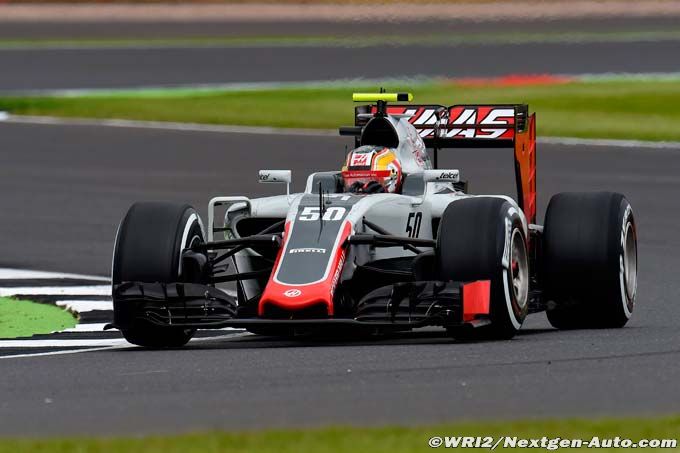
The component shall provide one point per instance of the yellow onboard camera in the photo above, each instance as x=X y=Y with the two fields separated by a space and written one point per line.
x=382 y=97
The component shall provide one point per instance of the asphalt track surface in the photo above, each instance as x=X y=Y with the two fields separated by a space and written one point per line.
x=65 y=189
x=28 y=70
x=160 y=29
x=46 y=69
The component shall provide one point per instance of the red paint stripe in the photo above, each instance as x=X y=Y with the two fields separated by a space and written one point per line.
x=306 y=295
x=513 y=80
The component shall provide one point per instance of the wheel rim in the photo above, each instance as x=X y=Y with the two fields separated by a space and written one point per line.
x=630 y=261
x=519 y=269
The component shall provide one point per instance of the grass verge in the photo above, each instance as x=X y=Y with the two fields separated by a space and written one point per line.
x=355 y=440
x=621 y=109
x=369 y=40
x=22 y=318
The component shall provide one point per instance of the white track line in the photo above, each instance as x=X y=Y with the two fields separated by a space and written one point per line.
x=167 y=125
x=234 y=86
x=156 y=91
x=71 y=351
x=347 y=12
x=99 y=327
x=21 y=274
x=122 y=344
x=568 y=141
x=61 y=343
x=92 y=327
x=82 y=306
x=90 y=290
x=193 y=127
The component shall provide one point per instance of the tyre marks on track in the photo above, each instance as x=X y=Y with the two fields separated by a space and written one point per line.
x=87 y=297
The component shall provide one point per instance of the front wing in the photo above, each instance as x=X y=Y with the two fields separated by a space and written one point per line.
x=402 y=306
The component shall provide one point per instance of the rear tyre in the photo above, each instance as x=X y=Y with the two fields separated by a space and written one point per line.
x=483 y=238
x=590 y=257
x=148 y=248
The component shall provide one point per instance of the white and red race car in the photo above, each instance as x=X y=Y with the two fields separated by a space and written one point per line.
x=428 y=254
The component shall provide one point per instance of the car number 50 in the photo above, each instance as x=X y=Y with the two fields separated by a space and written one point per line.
x=413 y=224
x=332 y=214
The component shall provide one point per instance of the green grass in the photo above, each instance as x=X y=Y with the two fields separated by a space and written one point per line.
x=354 y=440
x=379 y=38
x=624 y=109
x=22 y=318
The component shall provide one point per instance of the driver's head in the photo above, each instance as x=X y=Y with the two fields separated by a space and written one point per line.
x=372 y=169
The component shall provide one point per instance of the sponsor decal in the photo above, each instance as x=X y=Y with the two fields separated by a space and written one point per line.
x=627 y=293
x=624 y=226
x=448 y=175
x=366 y=174
x=360 y=160
x=425 y=116
x=417 y=147
x=307 y=250
x=274 y=176
x=292 y=293
x=493 y=117
x=508 y=240
x=338 y=271
x=457 y=122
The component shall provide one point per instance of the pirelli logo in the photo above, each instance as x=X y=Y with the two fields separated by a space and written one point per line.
x=307 y=250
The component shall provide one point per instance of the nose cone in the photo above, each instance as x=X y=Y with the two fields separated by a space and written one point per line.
x=294 y=302
x=307 y=269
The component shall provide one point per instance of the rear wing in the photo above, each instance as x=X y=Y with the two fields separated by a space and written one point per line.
x=475 y=126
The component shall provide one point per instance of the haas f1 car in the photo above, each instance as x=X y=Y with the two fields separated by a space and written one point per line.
x=390 y=243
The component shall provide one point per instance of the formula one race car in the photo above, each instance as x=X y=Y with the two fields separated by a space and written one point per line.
x=389 y=243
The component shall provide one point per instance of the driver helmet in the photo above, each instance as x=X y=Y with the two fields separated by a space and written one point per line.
x=372 y=169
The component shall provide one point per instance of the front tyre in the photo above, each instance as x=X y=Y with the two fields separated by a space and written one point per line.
x=148 y=248
x=483 y=238
x=155 y=337
x=590 y=257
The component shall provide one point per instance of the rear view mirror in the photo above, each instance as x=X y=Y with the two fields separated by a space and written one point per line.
x=276 y=176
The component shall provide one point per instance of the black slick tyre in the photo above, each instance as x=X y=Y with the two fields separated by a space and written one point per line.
x=148 y=248
x=590 y=260
x=483 y=238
